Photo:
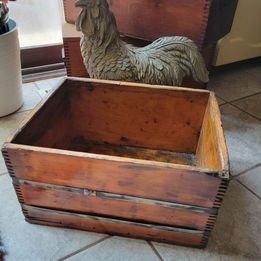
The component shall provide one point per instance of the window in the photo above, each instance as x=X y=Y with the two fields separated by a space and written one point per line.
x=40 y=33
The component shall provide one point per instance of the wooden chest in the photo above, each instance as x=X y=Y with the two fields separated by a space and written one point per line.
x=121 y=158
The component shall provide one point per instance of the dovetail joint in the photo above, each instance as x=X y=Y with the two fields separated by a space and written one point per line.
x=221 y=193
x=204 y=22
x=8 y=163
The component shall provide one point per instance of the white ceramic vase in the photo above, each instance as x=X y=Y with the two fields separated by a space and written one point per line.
x=11 y=98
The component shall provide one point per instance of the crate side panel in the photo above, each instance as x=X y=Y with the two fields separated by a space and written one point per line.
x=138 y=18
x=122 y=177
x=112 y=226
x=142 y=117
x=119 y=206
x=212 y=150
x=49 y=126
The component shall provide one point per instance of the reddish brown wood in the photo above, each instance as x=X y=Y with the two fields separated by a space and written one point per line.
x=62 y=159
x=204 y=21
x=112 y=175
x=106 y=112
x=51 y=125
x=76 y=200
x=73 y=58
x=129 y=229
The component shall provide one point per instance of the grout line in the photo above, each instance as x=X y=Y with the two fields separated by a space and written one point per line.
x=2 y=174
x=221 y=99
x=84 y=248
x=155 y=251
x=249 y=114
x=242 y=98
x=245 y=171
x=37 y=89
x=247 y=188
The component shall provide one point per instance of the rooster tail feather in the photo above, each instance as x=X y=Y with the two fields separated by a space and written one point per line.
x=187 y=54
x=198 y=66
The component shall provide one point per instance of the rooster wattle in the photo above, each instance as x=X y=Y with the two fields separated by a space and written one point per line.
x=165 y=61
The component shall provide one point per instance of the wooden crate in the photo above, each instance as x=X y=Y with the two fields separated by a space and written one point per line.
x=204 y=21
x=125 y=159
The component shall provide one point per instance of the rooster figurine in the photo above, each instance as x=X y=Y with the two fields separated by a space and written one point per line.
x=164 y=62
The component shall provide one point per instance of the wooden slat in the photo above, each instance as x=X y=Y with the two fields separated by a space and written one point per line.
x=112 y=205
x=160 y=181
x=113 y=226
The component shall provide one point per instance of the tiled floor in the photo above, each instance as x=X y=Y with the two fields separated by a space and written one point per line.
x=237 y=233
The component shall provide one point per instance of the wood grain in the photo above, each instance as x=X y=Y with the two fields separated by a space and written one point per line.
x=113 y=226
x=113 y=205
x=50 y=126
x=79 y=143
x=131 y=21
x=212 y=149
x=105 y=112
x=130 y=177
x=209 y=20
x=118 y=185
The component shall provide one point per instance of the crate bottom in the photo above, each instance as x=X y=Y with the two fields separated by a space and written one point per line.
x=79 y=143
x=184 y=237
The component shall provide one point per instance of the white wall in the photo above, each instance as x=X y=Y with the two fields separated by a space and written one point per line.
x=244 y=40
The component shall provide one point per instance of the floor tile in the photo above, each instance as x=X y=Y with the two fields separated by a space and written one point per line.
x=8 y=125
x=252 y=180
x=118 y=249
x=2 y=165
x=31 y=97
x=235 y=83
x=243 y=136
x=28 y=242
x=251 y=105
x=236 y=236
x=44 y=86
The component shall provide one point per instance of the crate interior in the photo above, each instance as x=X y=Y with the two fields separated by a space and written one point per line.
x=121 y=120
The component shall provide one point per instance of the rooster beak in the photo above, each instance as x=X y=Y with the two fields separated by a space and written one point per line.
x=80 y=3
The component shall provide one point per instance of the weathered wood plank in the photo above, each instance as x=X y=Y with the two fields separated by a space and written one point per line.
x=115 y=175
x=113 y=226
x=113 y=205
